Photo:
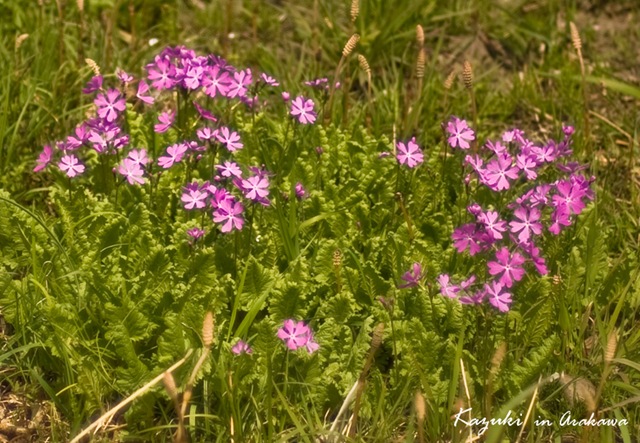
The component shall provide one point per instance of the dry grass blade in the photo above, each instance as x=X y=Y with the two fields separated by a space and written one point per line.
x=108 y=416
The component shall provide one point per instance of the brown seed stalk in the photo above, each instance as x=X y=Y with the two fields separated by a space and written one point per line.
x=355 y=9
x=93 y=65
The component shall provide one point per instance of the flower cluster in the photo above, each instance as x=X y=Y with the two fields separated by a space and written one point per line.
x=202 y=79
x=296 y=334
x=545 y=193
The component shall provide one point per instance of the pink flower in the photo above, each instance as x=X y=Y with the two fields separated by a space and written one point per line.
x=93 y=85
x=44 y=158
x=412 y=277
x=460 y=133
x=123 y=76
x=499 y=171
x=132 y=171
x=176 y=152
x=241 y=348
x=527 y=223
x=110 y=104
x=193 y=197
x=195 y=233
x=228 y=212
x=300 y=191
x=71 y=165
x=239 y=83
x=205 y=113
x=139 y=156
x=161 y=73
x=229 y=169
x=166 y=120
x=268 y=80
x=492 y=223
x=498 y=299
x=303 y=109
x=409 y=154
x=508 y=265
x=216 y=81
x=446 y=287
x=256 y=188
x=230 y=139
x=294 y=334
x=143 y=88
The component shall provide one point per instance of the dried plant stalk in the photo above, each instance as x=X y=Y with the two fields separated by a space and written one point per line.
x=420 y=406
x=80 y=4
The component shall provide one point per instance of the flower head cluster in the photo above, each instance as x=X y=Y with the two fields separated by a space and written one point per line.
x=510 y=239
x=296 y=334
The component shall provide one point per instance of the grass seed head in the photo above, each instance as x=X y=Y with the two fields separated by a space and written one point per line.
x=448 y=82
x=351 y=45
x=93 y=65
x=207 y=329
x=20 y=40
x=364 y=64
x=422 y=57
x=355 y=9
x=467 y=74
x=170 y=386
x=612 y=344
x=420 y=406
x=420 y=35
x=575 y=37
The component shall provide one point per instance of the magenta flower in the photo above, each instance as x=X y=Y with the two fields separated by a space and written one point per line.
x=229 y=212
x=81 y=135
x=300 y=191
x=193 y=197
x=527 y=165
x=192 y=77
x=205 y=113
x=412 y=277
x=569 y=197
x=286 y=96
x=559 y=217
x=498 y=299
x=311 y=344
x=44 y=158
x=492 y=223
x=229 y=169
x=93 y=85
x=110 y=104
x=256 y=188
x=268 y=80
x=139 y=156
x=499 y=171
x=166 y=120
x=176 y=153
x=206 y=133
x=303 y=109
x=409 y=154
x=241 y=348
x=508 y=266
x=195 y=233
x=230 y=139
x=123 y=76
x=161 y=73
x=460 y=133
x=527 y=223
x=294 y=334
x=143 y=89
x=71 y=165
x=534 y=254
x=239 y=83
x=466 y=236
x=132 y=171
x=446 y=287
x=216 y=81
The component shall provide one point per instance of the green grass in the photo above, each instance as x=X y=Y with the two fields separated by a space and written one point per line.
x=72 y=271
